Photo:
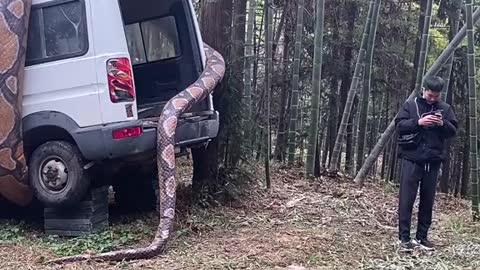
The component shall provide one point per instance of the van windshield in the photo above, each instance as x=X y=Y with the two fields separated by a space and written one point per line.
x=153 y=40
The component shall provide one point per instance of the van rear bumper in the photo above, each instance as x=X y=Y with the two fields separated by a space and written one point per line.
x=97 y=143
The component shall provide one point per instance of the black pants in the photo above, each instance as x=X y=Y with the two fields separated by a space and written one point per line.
x=412 y=176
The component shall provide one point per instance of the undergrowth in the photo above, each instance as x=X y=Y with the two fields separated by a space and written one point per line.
x=12 y=232
x=237 y=183
x=117 y=236
x=323 y=224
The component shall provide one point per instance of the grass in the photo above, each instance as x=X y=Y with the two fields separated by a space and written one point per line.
x=120 y=235
x=12 y=233
x=324 y=224
x=99 y=242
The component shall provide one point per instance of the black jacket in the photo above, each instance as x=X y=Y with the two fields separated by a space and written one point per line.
x=431 y=147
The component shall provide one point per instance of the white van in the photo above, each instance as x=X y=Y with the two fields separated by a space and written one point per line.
x=97 y=74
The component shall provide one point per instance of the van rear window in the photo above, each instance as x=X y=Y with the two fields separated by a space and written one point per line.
x=153 y=40
x=57 y=31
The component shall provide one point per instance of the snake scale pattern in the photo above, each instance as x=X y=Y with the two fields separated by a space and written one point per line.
x=14 y=17
x=13 y=33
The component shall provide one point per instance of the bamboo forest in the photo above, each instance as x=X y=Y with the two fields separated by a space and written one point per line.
x=310 y=169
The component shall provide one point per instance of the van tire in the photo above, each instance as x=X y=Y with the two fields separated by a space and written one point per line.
x=59 y=160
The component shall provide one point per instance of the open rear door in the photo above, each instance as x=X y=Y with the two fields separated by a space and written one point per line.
x=165 y=51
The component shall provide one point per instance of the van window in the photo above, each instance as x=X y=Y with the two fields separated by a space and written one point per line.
x=56 y=32
x=153 y=40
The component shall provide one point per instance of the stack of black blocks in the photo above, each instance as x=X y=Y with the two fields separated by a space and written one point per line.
x=89 y=216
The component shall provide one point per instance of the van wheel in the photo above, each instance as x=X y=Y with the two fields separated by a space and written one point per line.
x=56 y=174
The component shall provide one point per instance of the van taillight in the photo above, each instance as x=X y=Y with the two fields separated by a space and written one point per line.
x=127 y=133
x=120 y=80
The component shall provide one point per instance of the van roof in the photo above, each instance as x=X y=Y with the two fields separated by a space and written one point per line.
x=137 y=10
x=35 y=2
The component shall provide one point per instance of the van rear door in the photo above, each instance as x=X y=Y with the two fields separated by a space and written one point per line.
x=165 y=51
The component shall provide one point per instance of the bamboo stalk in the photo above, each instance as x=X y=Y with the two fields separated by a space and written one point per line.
x=434 y=69
x=351 y=92
x=248 y=77
x=366 y=90
x=295 y=83
x=316 y=88
x=472 y=111
x=268 y=86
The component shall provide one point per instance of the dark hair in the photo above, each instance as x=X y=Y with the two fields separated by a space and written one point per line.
x=433 y=83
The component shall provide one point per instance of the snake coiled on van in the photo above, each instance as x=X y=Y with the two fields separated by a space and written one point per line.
x=14 y=18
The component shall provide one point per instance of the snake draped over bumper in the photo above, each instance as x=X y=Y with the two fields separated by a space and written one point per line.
x=205 y=84
x=14 y=18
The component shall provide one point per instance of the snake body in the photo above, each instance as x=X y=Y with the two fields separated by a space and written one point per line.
x=13 y=34
x=14 y=15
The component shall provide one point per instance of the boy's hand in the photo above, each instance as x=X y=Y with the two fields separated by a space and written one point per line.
x=429 y=120
x=438 y=120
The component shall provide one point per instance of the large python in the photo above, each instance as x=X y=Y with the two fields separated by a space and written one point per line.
x=14 y=17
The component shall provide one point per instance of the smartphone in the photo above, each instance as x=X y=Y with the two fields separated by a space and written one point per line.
x=437 y=113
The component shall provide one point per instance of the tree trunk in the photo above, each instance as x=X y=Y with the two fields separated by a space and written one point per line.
x=281 y=143
x=351 y=8
x=386 y=161
x=444 y=180
x=316 y=88
x=424 y=48
x=295 y=82
x=388 y=142
x=256 y=48
x=216 y=21
x=321 y=140
x=466 y=159
x=205 y=170
x=353 y=86
x=280 y=28
x=301 y=127
x=398 y=168
x=376 y=129
x=356 y=120
x=391 y=164
x=238 y=38
x=317 y=167
x=367 y=78
x=280 y=146
x=235 y=130
x=418 y=44
x=268 y=84
x=332 y=122
x=457 y=165
x=349 y=153
x=472 y=112
x=249 y=62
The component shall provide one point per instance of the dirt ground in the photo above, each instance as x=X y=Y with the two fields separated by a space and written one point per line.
x=319 y=224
